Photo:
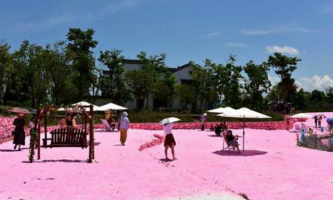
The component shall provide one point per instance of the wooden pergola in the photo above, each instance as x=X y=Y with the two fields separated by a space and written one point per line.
x=66 y=137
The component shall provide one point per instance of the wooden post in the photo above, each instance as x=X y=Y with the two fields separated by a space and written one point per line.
x=45 y=127
x=92 y=130
x=38 y=132
x=91 y=139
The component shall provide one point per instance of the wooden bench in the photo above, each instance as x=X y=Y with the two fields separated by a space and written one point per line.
x=68 y=137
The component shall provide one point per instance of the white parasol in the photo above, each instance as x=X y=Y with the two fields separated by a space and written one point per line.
x=169 y=120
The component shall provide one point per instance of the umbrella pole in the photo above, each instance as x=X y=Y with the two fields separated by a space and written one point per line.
x=243 y=134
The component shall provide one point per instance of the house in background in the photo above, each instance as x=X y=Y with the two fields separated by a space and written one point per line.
x=181 y=73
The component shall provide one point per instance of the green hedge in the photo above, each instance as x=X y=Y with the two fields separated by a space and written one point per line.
x=148 y=116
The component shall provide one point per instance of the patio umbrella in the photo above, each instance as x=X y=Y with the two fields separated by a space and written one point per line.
x=19 y=110
x=169 y=120
x=221 y=110
x=244 y=113
x=81 y=103
x=301 y=116
x=110 y=106
x=322 y=115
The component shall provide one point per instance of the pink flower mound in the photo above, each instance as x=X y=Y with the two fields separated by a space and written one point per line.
x=6 y=127
x=282 y=125
x=271 y=167
x=154 y=142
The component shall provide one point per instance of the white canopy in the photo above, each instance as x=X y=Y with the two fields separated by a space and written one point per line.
x=243 y=113
x=81 y=103
x=110 y=106
x=301 y=115
x=221 y=110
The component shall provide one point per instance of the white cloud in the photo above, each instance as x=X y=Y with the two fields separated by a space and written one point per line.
x=285 y=49
x=308 y=84
x=271 y=31
x=78 y=17
x=315 y=82
x=126 y=4
x=274 y=80
x=237 y=45
x=44 y=24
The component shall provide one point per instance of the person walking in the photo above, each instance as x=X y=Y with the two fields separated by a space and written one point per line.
x=319 y=121
x=19 y=132
x=123 y=127
x=203 y=118
x=316 y=121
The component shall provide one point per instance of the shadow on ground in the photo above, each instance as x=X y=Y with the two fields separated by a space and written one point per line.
x=61 y=160
x=165 y=160
x=8 y=150
x=214 y=135
x=243 y=153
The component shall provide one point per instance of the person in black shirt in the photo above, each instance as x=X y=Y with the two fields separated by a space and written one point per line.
x=19 y=132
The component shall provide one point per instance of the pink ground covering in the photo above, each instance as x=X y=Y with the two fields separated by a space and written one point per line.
x=272 y=167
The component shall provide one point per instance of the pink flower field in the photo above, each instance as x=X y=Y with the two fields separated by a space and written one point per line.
x=271 y=167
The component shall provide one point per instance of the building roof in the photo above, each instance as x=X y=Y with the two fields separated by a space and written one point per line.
x=140 y=62
x=132 y=61
x=181 y=67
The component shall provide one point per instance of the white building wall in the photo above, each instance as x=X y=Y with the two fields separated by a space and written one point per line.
x=184 y=73
x=131 y=66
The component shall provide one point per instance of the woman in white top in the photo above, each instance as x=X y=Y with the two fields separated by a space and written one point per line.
x=169 y=141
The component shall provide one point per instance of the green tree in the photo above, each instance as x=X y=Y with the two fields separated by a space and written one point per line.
x=154 y=66
x=114 y=86
x=6 y=62
x=140 y=83
x=284 y=66
x=31 y=74
x=301 y=100
x=202 y=82
x=257 y=83
x=80 y=45
x=61 y=72
x=186 y=95
x=317 y=96
x=329 y=95
x=162 y=92
x=226 y=81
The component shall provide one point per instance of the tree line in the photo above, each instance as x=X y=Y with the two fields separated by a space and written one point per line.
x=68 y=71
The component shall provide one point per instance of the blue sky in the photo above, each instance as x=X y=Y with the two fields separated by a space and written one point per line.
x=188 y=30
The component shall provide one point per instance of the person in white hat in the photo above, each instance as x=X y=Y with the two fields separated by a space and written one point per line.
x=123 y=127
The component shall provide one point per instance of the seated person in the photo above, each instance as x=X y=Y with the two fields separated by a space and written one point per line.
x=69 y=120
x=112 y=123
x=232 y=140
x=218 y=130
x=110 y=119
